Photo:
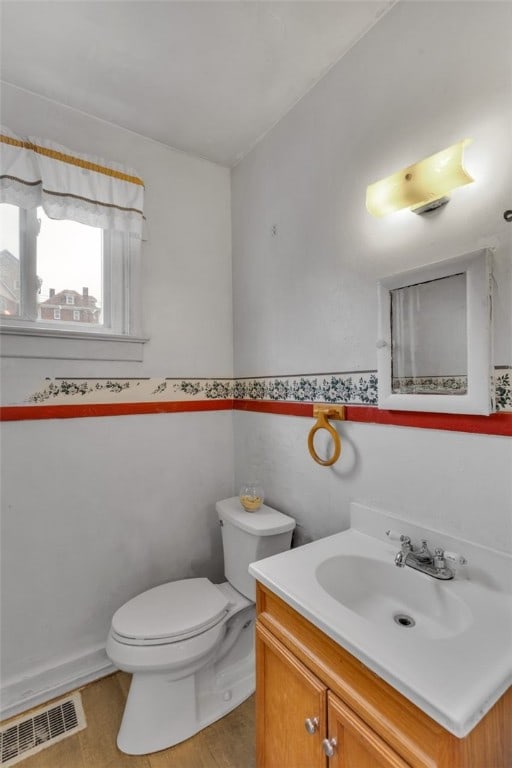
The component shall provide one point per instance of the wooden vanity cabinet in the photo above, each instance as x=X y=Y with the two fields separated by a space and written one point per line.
x=305 y=678
x=288 y=693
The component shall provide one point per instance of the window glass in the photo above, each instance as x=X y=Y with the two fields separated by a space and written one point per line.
x=9 y=260
x=69 y=270
x=69 y=277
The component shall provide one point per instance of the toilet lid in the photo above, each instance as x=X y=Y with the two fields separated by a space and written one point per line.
x=176 y=610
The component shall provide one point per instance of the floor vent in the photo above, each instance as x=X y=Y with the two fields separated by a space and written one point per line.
x=25 y=736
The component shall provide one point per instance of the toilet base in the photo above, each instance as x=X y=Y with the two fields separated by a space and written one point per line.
x=157 y=713
x=161 y=711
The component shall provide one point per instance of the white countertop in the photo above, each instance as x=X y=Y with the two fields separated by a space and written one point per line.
x=455 y=678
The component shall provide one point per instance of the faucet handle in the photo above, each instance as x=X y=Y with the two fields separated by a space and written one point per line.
x=455 y=559
x=439 y=561
x=394 y=536
x=442 y=558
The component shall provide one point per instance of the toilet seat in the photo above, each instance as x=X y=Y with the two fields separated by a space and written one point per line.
x=170 y=613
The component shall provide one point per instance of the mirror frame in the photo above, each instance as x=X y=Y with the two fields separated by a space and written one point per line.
x=478 y=269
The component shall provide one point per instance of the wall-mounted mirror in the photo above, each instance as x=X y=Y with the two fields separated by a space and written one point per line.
x=434 y=348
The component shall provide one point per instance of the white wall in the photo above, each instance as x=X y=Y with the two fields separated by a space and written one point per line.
x=96 y=510
x=427 y=75
x=453 y=482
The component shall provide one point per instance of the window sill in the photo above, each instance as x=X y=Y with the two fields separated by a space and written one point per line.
x=57 y=344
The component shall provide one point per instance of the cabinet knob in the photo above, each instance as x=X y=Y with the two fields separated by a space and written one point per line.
x=311 y=725
x=329 y=747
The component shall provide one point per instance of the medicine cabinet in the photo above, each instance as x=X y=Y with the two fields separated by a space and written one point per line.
x=434 y=342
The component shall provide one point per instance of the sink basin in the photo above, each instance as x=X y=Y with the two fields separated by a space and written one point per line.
x=391 y=597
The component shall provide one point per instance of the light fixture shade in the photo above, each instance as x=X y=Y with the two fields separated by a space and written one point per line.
x=422 y=184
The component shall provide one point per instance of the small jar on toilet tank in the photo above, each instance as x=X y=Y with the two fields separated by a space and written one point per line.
x=251 y=496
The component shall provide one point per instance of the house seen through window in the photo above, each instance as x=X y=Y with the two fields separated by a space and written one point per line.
x=50 y=271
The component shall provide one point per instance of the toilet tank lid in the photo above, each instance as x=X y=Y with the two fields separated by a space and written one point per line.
x=264 y=522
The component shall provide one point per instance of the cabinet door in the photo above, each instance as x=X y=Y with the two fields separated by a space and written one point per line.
x=287 y=695
x=357 y=745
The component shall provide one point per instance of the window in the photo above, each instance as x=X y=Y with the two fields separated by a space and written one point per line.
x=48 y=265
x=9 y=260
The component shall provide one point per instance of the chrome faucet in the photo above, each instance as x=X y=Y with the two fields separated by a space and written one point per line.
x=422 y=559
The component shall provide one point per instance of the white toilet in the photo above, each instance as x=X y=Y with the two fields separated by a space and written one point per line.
x=190 y=643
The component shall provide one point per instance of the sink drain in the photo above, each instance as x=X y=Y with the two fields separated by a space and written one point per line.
x=403 y=620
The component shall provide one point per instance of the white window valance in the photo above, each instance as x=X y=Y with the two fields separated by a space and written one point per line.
x=69 y=185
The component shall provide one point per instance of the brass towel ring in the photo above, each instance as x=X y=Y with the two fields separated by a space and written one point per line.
x=322 y=414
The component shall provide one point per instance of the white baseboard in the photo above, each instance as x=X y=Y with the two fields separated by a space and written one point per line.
x=31 y=690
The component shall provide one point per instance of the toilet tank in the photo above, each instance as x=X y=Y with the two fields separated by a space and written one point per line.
x=250 y=536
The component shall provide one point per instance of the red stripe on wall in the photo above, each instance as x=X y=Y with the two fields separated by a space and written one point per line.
x=272 y=406
x=495 y=424
x=30 y=412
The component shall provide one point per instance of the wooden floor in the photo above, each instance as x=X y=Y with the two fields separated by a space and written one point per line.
x=228 y=743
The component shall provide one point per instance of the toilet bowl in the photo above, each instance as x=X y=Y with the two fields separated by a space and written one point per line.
x=189 y=644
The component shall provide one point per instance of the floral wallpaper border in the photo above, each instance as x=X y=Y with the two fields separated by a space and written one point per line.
x=349 y=388
x=426 y=385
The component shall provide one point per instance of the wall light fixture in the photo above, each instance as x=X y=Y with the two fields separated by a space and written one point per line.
x=421 y=187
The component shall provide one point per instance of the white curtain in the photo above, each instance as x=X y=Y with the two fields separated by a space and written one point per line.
x=68 y=185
